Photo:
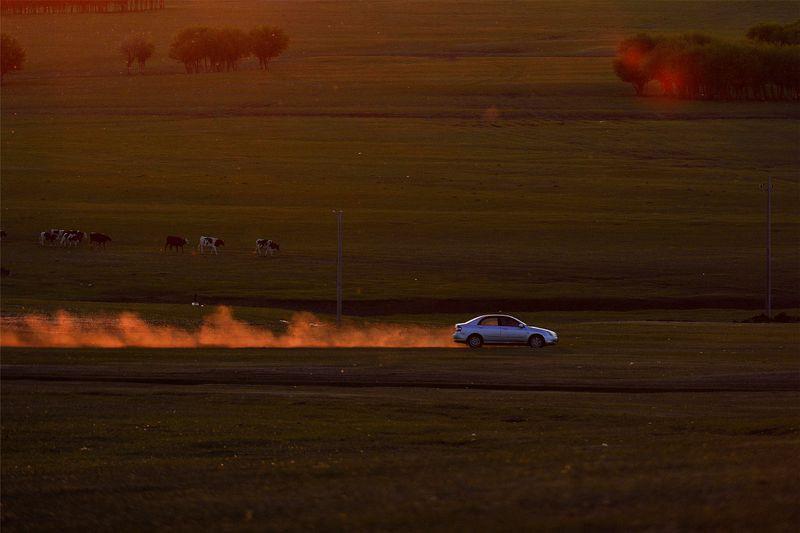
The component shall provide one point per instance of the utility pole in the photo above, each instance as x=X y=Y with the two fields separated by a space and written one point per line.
x=769 y=248
x=339 y=266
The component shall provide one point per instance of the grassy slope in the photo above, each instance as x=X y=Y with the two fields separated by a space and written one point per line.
x=577 y=189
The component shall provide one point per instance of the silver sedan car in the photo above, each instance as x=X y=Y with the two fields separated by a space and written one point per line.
x=502 y=329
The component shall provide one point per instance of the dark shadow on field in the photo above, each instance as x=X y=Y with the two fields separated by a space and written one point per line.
x=595 y=380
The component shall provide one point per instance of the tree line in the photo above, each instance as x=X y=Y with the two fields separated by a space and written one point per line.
x=775 y=33
x=200 y=49
x=204 y=49
x=33 y=7
x=699 y=67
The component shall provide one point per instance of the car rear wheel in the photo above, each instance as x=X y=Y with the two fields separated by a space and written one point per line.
x=475 y=341
x=536 y=341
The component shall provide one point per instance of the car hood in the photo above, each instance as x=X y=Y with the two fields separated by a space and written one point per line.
x=542 y=330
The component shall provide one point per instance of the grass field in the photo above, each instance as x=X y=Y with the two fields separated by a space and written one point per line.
x=719 y=451
x=484 y=154
x=486 y=158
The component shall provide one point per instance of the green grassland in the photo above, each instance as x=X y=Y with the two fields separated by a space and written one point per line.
x=240 y=455
x=479 y=150
x=288 y=459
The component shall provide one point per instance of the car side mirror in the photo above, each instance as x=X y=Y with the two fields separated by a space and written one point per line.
x=521 y=325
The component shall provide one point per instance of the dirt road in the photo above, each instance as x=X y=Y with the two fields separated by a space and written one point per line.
x=595 y=379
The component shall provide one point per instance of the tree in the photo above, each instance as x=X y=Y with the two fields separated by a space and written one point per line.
x=136 y=48
x=631 y=73
x=233 y=45
x=12 y=55
x=696 y=66
x=187 y=47
x=630 y=61
x=267 y=43
x=775 y=33
x=143 y=53
x=128 y=51
x=203 y=49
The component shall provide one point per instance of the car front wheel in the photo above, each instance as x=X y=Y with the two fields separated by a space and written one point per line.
x=536 y=341
x=475 y=341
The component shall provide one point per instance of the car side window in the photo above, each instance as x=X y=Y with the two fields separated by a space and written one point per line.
x=508 y=322
x=489 y=321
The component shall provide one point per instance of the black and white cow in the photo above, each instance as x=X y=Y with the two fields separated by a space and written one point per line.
x=72 y=237
x=210 y=243
x=267 y=247
x=175 y=242
x=49 y=237
x=99 y=239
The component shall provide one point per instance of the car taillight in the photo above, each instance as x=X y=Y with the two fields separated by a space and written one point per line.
x=458 y=328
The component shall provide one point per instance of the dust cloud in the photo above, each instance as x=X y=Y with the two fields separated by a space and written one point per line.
x=219 y=329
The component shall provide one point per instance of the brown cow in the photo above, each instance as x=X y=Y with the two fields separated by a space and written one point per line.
x=99 y=239
x=175 y=242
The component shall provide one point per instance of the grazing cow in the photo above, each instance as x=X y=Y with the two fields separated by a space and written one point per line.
x=72 y=237
x=175 y=242
x=211 y=243
x=51 y=236
x=267 y=247
x=99 y=239
x=62 y=235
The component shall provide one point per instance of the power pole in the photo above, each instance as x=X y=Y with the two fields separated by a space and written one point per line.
x=339 y=266
x=769 y=248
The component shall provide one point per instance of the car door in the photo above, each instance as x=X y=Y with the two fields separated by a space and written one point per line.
x=511 y=332
x=489 y=329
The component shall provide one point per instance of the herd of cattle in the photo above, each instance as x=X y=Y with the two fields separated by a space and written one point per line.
x=61 y=237
x=71 y=237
